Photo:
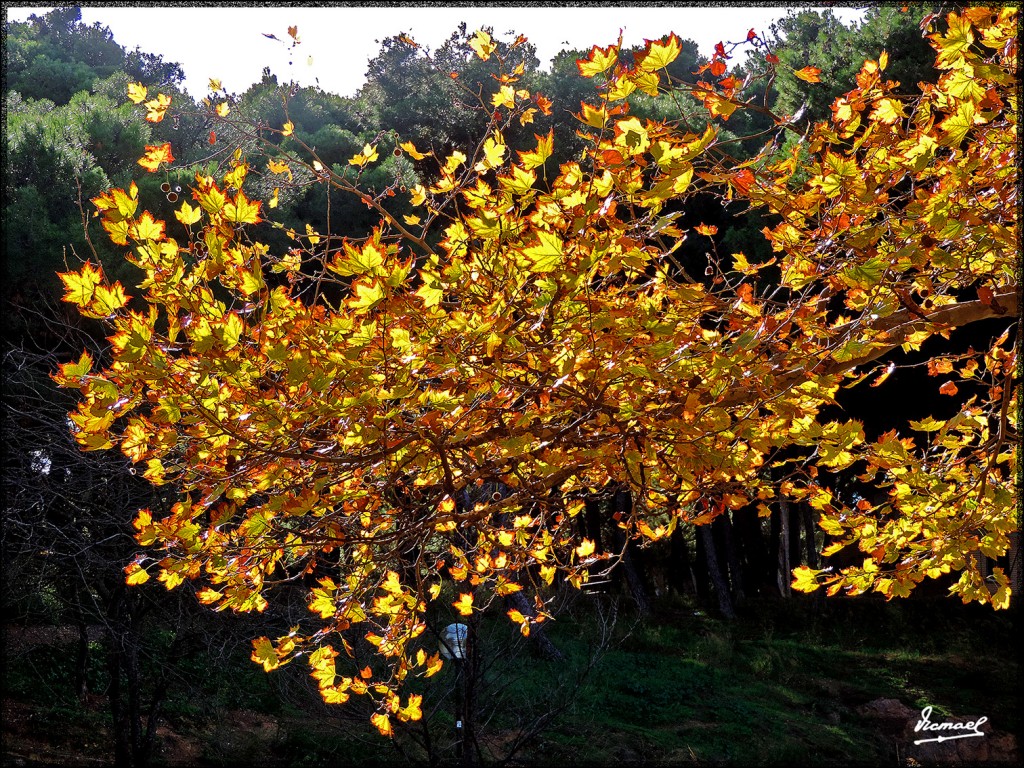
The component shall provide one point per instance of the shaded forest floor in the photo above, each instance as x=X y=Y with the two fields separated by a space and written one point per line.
x=796 y=683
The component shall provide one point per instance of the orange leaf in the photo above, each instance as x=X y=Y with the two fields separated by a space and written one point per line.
x=383 y=723
x=155 y=155
x=808 y=74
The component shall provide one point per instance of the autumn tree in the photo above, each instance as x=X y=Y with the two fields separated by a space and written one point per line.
x=328 y=413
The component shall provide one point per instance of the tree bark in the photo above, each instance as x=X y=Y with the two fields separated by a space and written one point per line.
x=701 y=575
x=629 y=563
x=782 y=548
x=539 y=639
x=718 y=579
x=680 y=572
x=592 y=521
x=810 y=531
x=732 y=557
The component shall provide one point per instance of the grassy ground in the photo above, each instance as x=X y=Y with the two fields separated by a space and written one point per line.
x=784 y=684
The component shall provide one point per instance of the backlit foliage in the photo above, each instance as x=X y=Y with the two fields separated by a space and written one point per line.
x=326 y=413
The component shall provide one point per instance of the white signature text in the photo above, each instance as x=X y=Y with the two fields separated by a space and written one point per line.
x=959 y=730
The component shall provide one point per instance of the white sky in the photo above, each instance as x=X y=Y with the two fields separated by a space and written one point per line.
x=227 y=42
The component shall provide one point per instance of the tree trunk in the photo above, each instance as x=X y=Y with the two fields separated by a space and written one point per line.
x=794 y=524
x=810 y=530
x=539 y=639
x=82 y=647
x=133 y=745
x=747 y=525
x=732 y=557
x=592 y=521
x=680 y=572
x=782 y=548
x=630 y=562
x=701 y=575
x=715 y=572
x=123 y=757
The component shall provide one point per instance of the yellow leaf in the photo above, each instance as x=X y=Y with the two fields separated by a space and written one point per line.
x=236 y=176
x=323 y=599
x=659 y=55
x=214 y=84
x=277 y=166
x=598 y=61
x=955 y=127
x=242 y=211
x=223 y=109
x=504 y=97
x=494 y=151
x=505 y=587
x=888 y=111
x=585 y=549
x=107 y=300
x=1001 y=597
x=547 y=572
x=546 y=256
x=137 y=92
x=188 y=215
x=464 y=605
x=383 y=723
x=157 y=107
x=147 y=228
x=71 y=374
x=412 y=710
x=545 y=148
x=805 y=579
x=334 y=695
x=411 y=150
x=368 y=155
x=431 y=291
x=412 y=221
x=454 y=161
x=136 y=574
x=594 y=117
x=80 y=287
x=208 y=596
x=482 y=45
x=263 y=652
x=288 y=129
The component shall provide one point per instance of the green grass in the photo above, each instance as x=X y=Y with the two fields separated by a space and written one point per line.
x=781 y=685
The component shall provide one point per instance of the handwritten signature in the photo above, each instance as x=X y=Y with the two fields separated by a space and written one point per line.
x=925 y=724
